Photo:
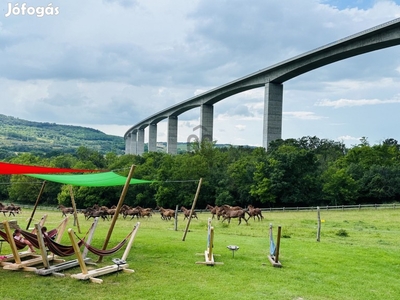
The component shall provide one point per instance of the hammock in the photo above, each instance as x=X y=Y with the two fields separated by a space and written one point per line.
x=58 y=249
x=52 y=233
x=31 y=237
x=100 y=252
x=54 y=247
x=20 y=245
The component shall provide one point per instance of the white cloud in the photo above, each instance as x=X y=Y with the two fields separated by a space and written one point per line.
x=240 y=127
x=109 y=64
x=302 y=115
x=349 y=103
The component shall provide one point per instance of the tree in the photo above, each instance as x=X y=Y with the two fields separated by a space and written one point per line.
x=339 y=187
x=292 y=177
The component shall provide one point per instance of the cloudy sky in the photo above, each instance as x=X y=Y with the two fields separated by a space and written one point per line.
x=108 y=64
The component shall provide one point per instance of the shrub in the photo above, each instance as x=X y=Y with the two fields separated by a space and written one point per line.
x=342 y=232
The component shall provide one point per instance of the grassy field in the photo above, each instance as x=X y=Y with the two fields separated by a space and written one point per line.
x=358 y=257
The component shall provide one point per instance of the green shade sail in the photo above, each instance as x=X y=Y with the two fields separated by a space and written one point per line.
x=93 y=180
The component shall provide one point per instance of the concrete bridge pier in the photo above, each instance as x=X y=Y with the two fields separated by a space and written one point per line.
x=140 y=141
x=206 y=122
x=172 y=143
x=127 y=143
x=273 y=105
x=152 y=137
x=133 y=147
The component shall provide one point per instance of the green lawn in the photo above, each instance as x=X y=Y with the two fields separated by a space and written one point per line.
x=362 y=265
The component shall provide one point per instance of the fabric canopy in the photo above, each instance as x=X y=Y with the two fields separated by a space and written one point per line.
x=93 y=180
x=9 y=169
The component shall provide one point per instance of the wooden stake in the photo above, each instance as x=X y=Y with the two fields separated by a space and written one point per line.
x=176 y=218
x=36 y=204
x=191 y=210
x=278 y=243
x=117 y=210
x=74 y=207
x=319 y=225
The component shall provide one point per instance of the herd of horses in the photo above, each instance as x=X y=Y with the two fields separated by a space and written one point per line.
x=227 y=212
x=224 y=212
x=10 y=209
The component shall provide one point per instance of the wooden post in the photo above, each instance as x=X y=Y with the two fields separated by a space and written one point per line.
x=42 y=246
x=76 y=221
x=36 y=204
x=78 y=253
x=176 y=218
x=319 y=225
x=210 y=249
x=61 y=230
x=129 y=246
x=191 y=210
x=11 y=241
x=278 y=243
x=117 y=210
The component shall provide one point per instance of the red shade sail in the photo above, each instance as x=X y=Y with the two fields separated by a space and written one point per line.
x=9 y=169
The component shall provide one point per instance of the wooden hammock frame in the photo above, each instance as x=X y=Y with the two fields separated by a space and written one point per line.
x=119 y=264
x=55 y=269
x=208 y=253
x=274 y=257
x=14 y=261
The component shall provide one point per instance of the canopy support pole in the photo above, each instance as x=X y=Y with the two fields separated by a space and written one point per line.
x=36 y=204
x=76 y=221
x=191 y=210
x=117 y=210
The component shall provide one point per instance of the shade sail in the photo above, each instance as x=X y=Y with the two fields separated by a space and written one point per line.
x=93 y=180
x=9 y=169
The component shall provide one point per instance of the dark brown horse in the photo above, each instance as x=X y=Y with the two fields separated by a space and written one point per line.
x=166 y=213
x=254 y=212
x=186 y=213
x=230 y=212
x=214 y=210
x=65 y=210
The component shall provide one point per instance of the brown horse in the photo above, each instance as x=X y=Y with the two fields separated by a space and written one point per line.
x=230 y=212
x=254 y=212
x=186 y=213
x=166 y=213
x=65 y=210
x=10 y=209
x=214 y=210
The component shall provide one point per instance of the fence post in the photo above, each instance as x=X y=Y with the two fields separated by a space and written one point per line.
x=319 y=224
x=176 y=218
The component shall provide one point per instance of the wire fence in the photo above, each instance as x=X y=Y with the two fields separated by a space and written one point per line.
x=335 y=207
x=278 y=209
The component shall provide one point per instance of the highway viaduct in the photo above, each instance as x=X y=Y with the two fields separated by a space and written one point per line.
x=271 y=78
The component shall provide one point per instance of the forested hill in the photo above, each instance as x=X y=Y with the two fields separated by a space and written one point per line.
x=18 y=136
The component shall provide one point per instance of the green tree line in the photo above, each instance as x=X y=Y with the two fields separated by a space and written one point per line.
x=295 y=172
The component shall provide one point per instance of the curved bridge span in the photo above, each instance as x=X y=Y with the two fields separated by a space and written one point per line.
x=271 y=78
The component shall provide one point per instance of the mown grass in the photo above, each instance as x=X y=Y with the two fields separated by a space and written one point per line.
x=362 y=265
